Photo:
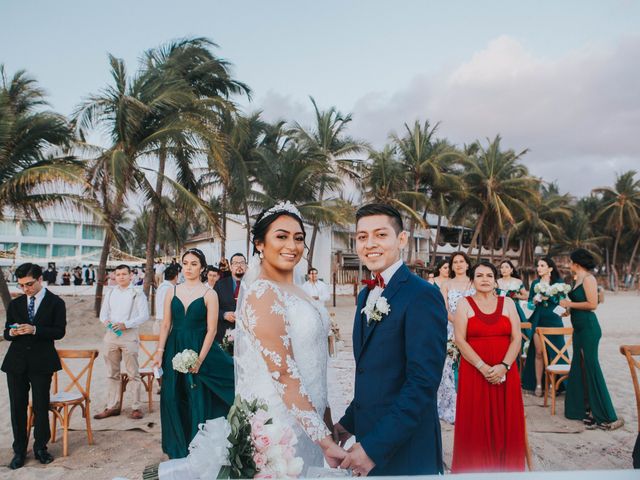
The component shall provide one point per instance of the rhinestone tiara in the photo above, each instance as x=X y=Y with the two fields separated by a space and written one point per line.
x=283 y=207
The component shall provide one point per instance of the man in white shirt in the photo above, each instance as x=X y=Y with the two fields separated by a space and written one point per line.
x=316 y=289
x=170 y=281
x=158 y=270
x=123 y=310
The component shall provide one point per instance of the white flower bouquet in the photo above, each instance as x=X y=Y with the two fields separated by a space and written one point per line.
x=376 y=309
x=555 y=293
x=184 y=361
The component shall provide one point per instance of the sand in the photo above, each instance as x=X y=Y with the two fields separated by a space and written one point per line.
x=123 y=447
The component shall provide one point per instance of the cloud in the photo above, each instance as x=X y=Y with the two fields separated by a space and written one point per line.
x=578 y=113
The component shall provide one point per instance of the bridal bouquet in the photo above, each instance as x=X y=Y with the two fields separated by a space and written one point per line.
x=227 y=341
x=555 y=293
x=183 y=362
x=256 y=447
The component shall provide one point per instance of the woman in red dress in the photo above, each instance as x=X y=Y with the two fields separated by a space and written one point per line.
x=489 y=428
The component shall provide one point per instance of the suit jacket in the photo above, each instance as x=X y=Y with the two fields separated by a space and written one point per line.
x=35 y=353
x=224 y=289
x=399 y=363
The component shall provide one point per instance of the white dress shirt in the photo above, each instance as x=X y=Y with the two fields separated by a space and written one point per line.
x=125 y=305
x=386 y=276
x=161 y=294
x=38 y=296
x=318 y=289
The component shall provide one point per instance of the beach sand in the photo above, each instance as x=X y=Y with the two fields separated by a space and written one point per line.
x=123 y=447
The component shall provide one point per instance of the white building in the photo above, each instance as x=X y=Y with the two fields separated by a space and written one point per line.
x=58 y=239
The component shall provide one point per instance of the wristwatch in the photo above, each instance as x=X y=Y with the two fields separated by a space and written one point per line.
x=506 y=366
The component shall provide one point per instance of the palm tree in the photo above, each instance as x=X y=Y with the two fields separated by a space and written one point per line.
x=328 y=142
x=620 y=209
x=33 y=169
x=131 y=111
x=544 y=222
x=190 y=64
x=499 y=189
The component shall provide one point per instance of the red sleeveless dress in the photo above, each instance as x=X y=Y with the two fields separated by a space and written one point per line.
x=489 y=428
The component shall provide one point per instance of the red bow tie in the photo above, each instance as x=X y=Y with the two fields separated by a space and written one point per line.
x=377 y=281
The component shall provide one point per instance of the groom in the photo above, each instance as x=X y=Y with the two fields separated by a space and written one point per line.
x=399 y=344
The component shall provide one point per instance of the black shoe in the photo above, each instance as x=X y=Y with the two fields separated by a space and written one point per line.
x=43 y=456
x=17 y=461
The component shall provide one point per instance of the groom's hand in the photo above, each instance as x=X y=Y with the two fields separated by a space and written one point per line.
x=340 y=434
x=358 y=461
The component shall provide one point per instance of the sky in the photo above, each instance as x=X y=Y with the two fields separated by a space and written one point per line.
x=560 y=79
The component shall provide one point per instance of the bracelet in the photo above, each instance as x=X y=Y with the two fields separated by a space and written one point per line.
x=480 y=364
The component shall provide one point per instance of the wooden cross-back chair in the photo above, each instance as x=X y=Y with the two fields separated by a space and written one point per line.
x=145 y=369
x=76 y=393
x=555 y=373
x=522 y=357
x=631 y=351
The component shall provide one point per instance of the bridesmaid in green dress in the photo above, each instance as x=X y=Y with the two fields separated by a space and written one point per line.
x=441 y=274
x=542 y=316
x=510 y=285
x=190 y=322
x=587 y=396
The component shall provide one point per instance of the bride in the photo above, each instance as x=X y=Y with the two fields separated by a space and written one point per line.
x=280 y=349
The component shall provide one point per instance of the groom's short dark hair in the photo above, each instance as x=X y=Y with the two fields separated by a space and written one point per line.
x=381 y=209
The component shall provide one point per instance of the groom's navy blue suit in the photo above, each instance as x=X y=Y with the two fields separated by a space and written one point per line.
x=399 y=363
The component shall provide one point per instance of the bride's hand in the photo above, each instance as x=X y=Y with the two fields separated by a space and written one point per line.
x=332 y=452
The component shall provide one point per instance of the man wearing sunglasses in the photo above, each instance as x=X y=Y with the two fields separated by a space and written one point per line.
x=34 y=321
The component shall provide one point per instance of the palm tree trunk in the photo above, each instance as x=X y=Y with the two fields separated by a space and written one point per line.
x=615 y=258
x=435 y=244
x=633 y=254
x=4 y=290
x=412 y=243
x=223 y=211
x=248 y=220
x=152 y=231
x=102 y=270
x=476 y=233
x=314 y=232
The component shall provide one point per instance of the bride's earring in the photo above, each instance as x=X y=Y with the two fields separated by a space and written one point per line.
x=261 y=255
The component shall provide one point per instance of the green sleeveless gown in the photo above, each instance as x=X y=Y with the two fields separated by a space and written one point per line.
x=183 y=406
x=586 y=389
x=542 y=316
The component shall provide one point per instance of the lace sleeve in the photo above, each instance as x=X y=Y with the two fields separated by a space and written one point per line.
x=267 y=323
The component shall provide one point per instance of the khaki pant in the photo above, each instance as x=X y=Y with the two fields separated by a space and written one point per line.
x=116 y=349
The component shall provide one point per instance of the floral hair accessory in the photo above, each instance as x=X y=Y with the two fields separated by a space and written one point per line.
x=283 y=207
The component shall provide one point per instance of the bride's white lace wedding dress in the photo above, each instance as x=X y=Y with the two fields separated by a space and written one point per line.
x=281 y=357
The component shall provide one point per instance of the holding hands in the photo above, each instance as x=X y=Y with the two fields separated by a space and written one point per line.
x=358 y=461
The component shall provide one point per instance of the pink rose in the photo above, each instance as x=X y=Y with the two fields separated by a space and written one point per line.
x=260 y=460
x=262 y=442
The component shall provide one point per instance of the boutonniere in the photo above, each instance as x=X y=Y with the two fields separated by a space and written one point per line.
x=376 y=309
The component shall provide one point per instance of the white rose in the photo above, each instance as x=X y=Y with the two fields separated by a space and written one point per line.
x=382 y=305
x=294 y=468
x=279 y=467
x=274 y=453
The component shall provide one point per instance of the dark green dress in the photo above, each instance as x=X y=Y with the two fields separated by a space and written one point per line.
x=542 y=316
x=183 y=407
x=586 y=389
x=521 y=315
